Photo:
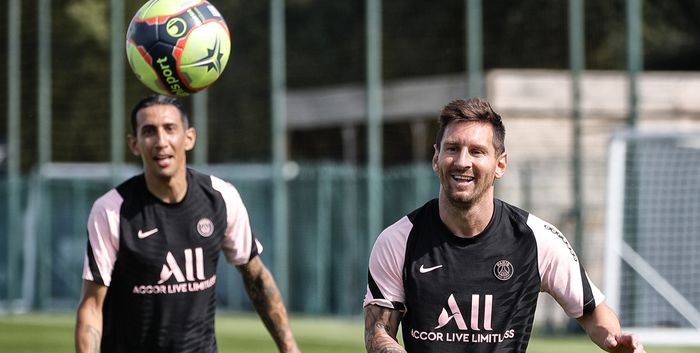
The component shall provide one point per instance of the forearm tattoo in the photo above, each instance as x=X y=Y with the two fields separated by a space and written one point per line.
x=94 y=337
x=267 y=300
x=381 y=326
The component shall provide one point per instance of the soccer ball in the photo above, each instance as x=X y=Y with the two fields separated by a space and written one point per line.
x=177 y=47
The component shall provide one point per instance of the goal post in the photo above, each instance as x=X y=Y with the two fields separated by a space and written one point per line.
x=652 y=245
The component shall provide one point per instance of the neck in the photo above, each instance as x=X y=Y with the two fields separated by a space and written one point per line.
x=168 y=190
x=466 y=221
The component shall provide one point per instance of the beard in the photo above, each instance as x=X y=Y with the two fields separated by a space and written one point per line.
x=465 y=199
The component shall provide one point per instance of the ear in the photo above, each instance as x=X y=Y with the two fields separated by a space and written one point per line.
x=501 y=164
x=436 y=152
x=133 y=145
x=190 y=138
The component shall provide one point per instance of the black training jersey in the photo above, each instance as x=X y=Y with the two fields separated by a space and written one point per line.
x=477 y=294
x=159 y=261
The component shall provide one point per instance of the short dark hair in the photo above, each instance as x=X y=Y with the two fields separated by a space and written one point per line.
x=158 y=99
x=472 y=109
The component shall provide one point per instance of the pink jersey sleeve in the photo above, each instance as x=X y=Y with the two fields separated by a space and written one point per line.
x=561 y=273
x=103 y=238
x=385 y=279
x=238 y=240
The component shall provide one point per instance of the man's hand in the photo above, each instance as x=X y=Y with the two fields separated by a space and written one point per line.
x=623 y=343
x=603 y=327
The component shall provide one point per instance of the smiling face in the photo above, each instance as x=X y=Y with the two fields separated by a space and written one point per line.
x=162 y=140
x=467 y=164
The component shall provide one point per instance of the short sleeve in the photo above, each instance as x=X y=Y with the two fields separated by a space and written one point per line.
x=240 y=245
x=385 y=275
x=103 y=238
x=561 y=272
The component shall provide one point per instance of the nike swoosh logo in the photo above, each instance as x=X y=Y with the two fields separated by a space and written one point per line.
x=143 y=234
x=426 y=270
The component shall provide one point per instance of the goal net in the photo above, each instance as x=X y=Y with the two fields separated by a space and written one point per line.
x=652 y=246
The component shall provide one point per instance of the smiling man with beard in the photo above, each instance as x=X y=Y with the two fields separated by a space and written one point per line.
x=463 y=272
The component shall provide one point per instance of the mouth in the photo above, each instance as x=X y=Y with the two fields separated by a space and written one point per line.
x=463 y=178
x=460 y=177
x=163 y=160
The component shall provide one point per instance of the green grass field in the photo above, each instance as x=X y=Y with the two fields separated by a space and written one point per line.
x=39 y=333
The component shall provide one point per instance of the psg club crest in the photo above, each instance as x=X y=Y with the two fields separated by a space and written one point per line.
x=503 y=270
x=205 y=227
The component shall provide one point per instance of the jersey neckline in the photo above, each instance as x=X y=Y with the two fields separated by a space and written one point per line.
x=166 y=204
x=485 y=236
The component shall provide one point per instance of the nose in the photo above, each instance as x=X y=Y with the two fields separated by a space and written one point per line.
x=161 y=138
x=463 y=159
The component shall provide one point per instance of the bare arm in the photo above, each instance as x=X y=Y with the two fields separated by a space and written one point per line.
x=603 y=328
x=266 y=298
x=381 y=326
x=88 y=325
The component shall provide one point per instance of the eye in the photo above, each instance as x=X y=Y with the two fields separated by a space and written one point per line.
x=148 y=130
x=170 y=128
x=477 y=152
x=450 y=148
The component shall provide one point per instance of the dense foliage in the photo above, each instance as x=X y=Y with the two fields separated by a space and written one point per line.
x=325 y=46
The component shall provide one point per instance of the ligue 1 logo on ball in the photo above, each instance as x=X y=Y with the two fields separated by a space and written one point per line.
x=178 y=47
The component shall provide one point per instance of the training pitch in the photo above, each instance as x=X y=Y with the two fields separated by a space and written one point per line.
x=39 y=333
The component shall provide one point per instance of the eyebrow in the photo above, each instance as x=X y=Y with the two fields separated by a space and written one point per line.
x=458 y=142
x=163 y=124
x=449 y=143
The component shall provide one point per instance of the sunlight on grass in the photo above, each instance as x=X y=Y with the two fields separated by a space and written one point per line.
x=53 y=333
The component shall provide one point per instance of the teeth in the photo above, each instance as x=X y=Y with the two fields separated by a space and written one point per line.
x=463 y=177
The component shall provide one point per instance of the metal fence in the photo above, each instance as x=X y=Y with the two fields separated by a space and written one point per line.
x=67 y=87
x=328 y=244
